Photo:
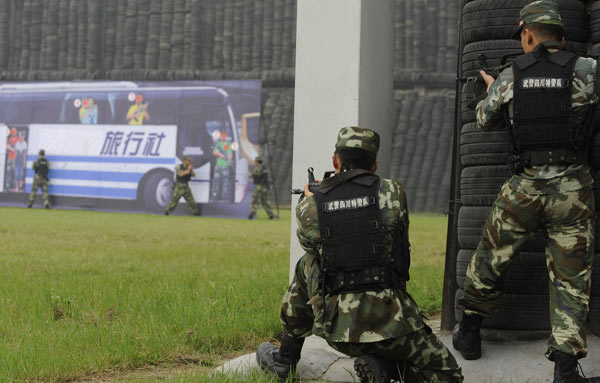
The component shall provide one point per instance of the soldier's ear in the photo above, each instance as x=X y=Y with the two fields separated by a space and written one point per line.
x=336 y=161
x=374 y=168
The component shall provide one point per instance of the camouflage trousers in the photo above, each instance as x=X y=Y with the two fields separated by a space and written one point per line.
x=567 y=222
x=220 y=184
x=39 y=182
x=421 y=356
x=182 y=189
x=260 y=197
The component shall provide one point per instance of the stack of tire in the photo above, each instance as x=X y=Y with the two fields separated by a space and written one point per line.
x=486 y=44
x=594 y=317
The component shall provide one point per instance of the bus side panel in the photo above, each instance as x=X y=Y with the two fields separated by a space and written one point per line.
x=101 y=161
x=3 y=136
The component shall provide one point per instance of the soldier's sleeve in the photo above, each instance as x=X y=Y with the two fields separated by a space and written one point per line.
x=308 y=226
x=35 y=165
x=585 y=83
x=489 y=110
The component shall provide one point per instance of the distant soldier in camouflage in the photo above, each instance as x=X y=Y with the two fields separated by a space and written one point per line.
x=350 y=285
x=183 y=173
x=548 y=95
x=41 y=167
x=260 y=196
x=224 y=152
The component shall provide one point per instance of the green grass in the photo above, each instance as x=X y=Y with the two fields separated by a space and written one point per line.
x=85 y=291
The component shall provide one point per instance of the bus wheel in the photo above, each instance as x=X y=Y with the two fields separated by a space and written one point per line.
x=157 y=190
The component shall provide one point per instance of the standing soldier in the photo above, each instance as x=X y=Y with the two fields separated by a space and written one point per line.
x=224 y=153
x=260 y=196
x=547 y=97
x=183 y=172
x=350 y=285
x=41 y=167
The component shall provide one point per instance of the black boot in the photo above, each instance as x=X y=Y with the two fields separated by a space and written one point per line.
x=375 y=369
x=466 y=339
x=251 y=215
x=566 y=369
x=283 y=360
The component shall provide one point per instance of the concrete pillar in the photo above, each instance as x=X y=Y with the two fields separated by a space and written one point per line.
x=344 y=77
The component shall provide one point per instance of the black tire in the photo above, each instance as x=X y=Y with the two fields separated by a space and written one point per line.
x=471 y=91
x=502 y=335
x=471 y=222
x=595 y=22
x=527 y=274
x=478 y=147
x=516 y=312
x=594 y=316
x=154 y=192
x=596 y=150
x=495 y=20
x=480 y=185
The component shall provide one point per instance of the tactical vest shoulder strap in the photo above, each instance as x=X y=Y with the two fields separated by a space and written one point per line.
x=562 y=58
x=525 y=61
x=356 y=175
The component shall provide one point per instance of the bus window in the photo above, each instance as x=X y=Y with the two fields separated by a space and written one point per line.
x=147 y=107
x=88 y=108
x=47 y=107
x=19 y=110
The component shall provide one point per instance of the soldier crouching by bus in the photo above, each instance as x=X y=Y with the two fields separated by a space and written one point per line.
x=183 y=172
x=41 y=167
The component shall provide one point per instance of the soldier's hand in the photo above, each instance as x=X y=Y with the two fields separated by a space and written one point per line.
x=489 y=80
x=307 y=193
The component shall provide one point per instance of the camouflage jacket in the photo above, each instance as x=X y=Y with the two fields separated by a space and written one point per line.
x=357 y=317
x=544 y=179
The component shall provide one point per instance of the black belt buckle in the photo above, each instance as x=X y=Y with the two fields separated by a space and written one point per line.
x=514 y=163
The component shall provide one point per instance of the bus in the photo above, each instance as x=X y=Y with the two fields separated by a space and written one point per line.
x=119 y=140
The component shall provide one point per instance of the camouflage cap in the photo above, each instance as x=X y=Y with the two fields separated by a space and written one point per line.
x=360 y=138
x=258 y=159
x=540 y=12
x=187 y=158
x=42 y=152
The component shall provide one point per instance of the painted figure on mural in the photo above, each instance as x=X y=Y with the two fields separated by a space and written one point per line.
x=223 y=151
x=138 y=112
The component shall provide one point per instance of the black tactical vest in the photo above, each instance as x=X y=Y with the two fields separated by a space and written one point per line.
x=184 y=179
x=544 y=131
x=261 y=178
x=352 y=230
x=42 y=168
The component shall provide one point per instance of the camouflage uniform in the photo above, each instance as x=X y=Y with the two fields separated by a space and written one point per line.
x=182 y=189
x=386 y=323
x=558 y=199
x=39 y=181
x=220 y=186
x=260 y=196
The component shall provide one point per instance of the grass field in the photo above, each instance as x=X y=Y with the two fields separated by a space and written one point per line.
x=84 y=292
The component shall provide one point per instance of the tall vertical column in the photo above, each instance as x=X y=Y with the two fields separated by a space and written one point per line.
x=344 y=77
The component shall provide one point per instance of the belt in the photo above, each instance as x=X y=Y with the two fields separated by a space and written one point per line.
x=553 y=157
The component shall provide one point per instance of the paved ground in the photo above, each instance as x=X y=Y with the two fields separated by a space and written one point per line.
x=517 y=362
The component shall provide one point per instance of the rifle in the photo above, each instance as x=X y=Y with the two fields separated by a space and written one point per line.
x=312 y=184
